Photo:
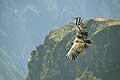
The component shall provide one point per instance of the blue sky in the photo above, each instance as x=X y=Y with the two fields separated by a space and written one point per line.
x=25 y=23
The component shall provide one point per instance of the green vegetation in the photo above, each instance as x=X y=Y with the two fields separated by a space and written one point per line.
x=101 y=61
x=60 y=33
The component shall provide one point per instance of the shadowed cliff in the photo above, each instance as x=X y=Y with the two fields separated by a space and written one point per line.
x=99 y=62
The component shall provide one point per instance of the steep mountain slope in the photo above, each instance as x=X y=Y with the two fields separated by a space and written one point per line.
x=21 y=22
x=99 y=62
x=8 y=68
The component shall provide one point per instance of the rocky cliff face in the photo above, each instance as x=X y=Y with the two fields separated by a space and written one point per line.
x=99 y=62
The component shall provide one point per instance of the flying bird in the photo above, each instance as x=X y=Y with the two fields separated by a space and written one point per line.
x=80 y=43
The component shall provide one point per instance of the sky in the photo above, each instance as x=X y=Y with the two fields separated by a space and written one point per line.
x=25 y=23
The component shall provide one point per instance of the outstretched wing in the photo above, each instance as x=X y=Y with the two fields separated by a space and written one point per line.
x=72 y=56
x=76 y=49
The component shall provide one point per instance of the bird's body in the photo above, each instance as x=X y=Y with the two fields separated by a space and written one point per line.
x=77 y=47
x=79 y=44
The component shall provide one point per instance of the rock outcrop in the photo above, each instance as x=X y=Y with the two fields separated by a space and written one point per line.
x=99 y=62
